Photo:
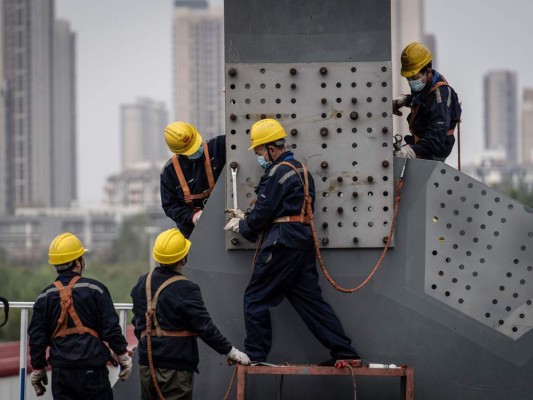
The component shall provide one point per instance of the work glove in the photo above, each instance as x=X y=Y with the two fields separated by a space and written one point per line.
x=39 y=380
x=125 y=366
x=238 y=356
x=233 y=225
x=234 y=213
x=196 y=216
x=405 y=151
x=398 y=103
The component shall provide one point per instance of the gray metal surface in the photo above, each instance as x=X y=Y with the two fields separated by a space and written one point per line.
x=338 y=120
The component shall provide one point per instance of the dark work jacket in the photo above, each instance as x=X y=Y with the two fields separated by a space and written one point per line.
x=180 y=307
x=280 y=193
x=435 y=116
x=172 y=198
x=94 y=306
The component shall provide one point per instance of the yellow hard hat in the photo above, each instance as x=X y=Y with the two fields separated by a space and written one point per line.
x=266 y=131
x=414 y=57
x=170 y=247
x=64 y=249
x=182 y=138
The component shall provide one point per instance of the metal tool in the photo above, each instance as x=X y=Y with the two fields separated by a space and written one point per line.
x=397 y=143
x=234 y=167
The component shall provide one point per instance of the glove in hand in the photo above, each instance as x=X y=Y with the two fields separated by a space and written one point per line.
x=233 y=225
x=398 y=103
x=125 y=366
x=234 y=213
x=196 y=216
x=39 y=380
x=238 y=356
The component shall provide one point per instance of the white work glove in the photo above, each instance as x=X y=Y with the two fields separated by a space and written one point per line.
x=233 y=225
x=125 y=366
x=196 y=216
x=405 y=151
x=234 y=213
x=238 y=356
x=399 y=103
x=39 y=380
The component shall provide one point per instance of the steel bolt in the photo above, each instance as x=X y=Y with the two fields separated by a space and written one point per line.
x=324 y=131
x=232 y=72
x=340 y=210
x=370 y=179
x=263 y=116
x=235 y=241
x=324 y=225
x=234 y=165
x=355 y=239
x=325 y=240
x=385 y=130
x=354 y=115
x=323 y=70
x=385 y=163
x=354 y=100
x=233 y=117
x=355 y=194
x=294 y=131
x=385 y=239
x=339 y=179
x=293 y=71
x=324 y=164
x=323 y=100
x=293 y=85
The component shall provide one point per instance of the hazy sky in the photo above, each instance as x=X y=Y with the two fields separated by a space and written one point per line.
x=124 y=52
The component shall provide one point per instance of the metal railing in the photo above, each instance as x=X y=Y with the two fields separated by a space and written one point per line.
x=25 y=306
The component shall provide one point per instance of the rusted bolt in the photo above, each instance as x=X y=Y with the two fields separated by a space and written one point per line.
x=232 y=72
x=385 y=163
x=293 y=71
x=355 y=239
x=323 y=70
x=235 y=241
x=324 y=131
x=385 y=130
x=294 y=131
x=234 y=164
x=325 y=240
x=233 y=117
x=354 y=115
x=340 y=210
x=370 y=179
x=324 y=164
x=324 y=225
x=355 y=194
x=323 y=100
x=354 y=100
x=293 y=85
x=385 y=239
x=339 y=179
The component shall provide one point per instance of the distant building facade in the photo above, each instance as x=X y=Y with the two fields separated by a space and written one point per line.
x=38 y=137
x=142 y=133
x=198 y=43
x=501 y=114
x=135 y=186
x=527 y=126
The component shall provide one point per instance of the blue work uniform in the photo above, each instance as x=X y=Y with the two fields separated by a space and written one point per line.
x=437 y=113
x=78 y=361
x=172 y=197
x=285 y=266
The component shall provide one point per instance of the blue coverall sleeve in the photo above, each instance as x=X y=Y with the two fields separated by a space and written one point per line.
x=438 y=122
x=38 y=332
x=109 y=322
x=173 y=201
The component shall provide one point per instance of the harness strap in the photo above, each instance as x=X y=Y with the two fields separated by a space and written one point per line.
x=302 y=218
x=183 y=182
x=151 y=305
x=67 y=306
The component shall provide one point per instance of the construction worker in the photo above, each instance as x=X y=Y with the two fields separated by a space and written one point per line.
x=169 y=322
x=285 y=264
x=435 y=108
x=75 y=317
x=188 y=178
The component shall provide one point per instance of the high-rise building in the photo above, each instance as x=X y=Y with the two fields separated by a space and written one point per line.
x=527 y=126
x=36 y=85
x=501 y=114
x=199 y=66
x=143 y=125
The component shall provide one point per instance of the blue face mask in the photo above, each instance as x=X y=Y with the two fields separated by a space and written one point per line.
x=417 y=85
x=196 y=155
x=263 y=163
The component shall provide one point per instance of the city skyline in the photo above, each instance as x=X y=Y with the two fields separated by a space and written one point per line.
x=118 y=62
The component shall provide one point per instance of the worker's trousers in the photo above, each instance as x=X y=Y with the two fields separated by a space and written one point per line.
x=174 y=384
x=81 y=384
x=279 y=273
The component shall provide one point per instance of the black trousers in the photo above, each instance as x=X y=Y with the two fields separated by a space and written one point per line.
x=81 y=384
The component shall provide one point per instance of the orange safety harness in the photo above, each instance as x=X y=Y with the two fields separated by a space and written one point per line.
x=414 y=110
x=183 y=182
x=151 y=317
x=307 y=208
x=67 y=306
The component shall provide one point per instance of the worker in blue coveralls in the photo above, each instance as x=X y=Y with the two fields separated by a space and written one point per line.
x=435 y=108
x=285 y=266
x=188 y=178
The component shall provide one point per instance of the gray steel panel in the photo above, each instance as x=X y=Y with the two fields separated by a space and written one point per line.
x=338 y=123
x=479 y=252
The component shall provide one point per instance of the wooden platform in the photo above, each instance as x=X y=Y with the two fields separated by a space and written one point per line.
x=405 y=373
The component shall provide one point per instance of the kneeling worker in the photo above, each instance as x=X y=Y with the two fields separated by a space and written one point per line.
x=168 y=315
